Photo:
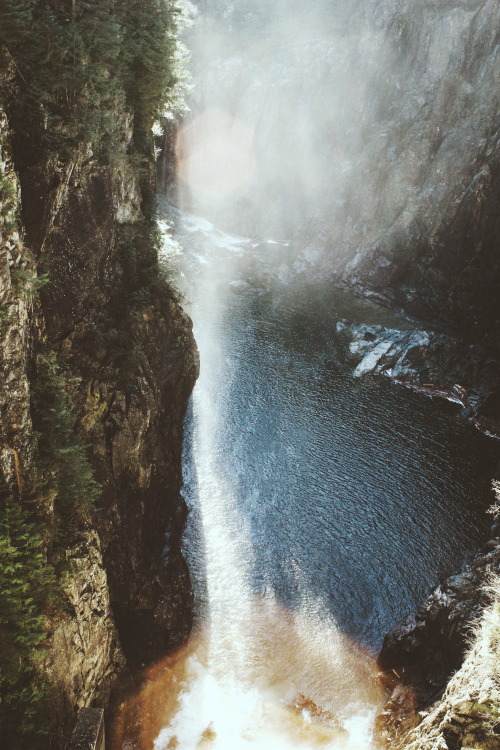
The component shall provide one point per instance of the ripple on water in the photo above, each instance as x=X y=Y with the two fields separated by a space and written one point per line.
x=323 y=509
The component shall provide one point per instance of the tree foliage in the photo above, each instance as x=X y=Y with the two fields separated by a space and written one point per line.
x=27 y=585
x=64 y=472
x=82 y=61
x=34 y=531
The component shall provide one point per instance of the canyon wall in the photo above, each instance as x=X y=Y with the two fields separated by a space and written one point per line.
x=374 y=134
x=371 y=130
x=98 y=362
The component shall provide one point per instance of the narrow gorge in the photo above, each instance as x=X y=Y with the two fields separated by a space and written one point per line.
x=269 y=526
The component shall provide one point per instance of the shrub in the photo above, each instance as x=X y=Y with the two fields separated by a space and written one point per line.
x=27 y=586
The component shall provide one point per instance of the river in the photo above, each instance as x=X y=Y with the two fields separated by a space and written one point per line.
x=323 y=508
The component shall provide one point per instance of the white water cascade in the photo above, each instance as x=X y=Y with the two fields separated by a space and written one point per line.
x=260 y=675
x=320 y=505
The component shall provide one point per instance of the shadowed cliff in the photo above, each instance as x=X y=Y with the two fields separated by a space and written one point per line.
x=98 y=361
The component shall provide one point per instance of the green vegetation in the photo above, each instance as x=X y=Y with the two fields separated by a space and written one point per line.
x=152 y=75
x=140 y=281
x=66 y=488
x=8 y=202
x=27 y=585
x=81 y=61
x=29 y=283
x=44 y=518
x=84 y=70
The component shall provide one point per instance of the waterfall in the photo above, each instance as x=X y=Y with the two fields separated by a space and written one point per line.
x=261 y=674
x=307 y=125
x=318 y=505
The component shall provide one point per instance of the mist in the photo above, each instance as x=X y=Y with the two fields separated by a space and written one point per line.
x=332 y=124
x=315 y=133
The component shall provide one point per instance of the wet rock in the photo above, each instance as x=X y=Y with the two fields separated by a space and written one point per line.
x=427 y=646
x=435 y=364
x=394 y=353
x=373 y=359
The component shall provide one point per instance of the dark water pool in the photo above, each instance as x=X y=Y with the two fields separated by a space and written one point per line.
x=360 y=492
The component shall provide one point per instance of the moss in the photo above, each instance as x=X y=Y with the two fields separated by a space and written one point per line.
x=93 y=408
x=6 y=318
x=9 y=202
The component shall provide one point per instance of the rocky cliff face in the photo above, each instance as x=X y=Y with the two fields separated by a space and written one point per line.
x=374 y=134
x=129 y=360
x=84 y=655
x=366 y=133
x=436 y=254
x=429 y=644
x=447 y=650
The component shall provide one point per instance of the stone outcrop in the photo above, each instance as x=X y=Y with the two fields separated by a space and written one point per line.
x=437 y=258
x=84 y=655
x=438 y=700
x=16 y=321
x=467 y=714
x=429 y=644
x=434 y=363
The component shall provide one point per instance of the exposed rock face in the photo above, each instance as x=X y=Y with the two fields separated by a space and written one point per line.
x=375 y=136
x=85 y=654
x=436 y=364
x=438 y=258
x=426 y=653
x=16 y=322
x=131 y=361
x=467 y=715
x=429 y=645
x=136 y=434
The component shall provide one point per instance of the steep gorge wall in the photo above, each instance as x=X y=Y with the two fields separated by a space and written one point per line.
x=126 y=359
x=438 y=256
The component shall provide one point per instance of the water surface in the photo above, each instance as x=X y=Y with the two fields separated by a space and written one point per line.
x=323 y=508
x=358 y=491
